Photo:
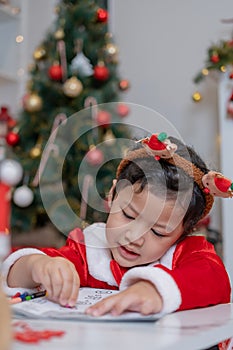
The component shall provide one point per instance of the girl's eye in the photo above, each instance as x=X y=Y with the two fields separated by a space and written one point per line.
x=127 y=216
x=157 y=233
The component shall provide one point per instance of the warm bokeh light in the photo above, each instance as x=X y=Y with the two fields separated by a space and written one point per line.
x=19 y=39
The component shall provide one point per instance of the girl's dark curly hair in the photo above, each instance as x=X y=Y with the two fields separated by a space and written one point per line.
x=161 y=175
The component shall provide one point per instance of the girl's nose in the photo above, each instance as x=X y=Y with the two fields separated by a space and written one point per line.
x=135 y=237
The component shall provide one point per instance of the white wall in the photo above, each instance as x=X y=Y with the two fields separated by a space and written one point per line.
x=162 y=44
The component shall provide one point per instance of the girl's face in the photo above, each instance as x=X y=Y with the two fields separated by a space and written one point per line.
x=139 y=228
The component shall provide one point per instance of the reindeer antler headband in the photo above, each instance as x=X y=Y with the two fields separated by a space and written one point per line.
x=159 y=146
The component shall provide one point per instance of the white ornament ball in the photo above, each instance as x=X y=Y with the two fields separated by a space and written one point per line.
x=11 y=172
x=23 y=196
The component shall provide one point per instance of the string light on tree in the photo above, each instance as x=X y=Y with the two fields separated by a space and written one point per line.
x=196 y=96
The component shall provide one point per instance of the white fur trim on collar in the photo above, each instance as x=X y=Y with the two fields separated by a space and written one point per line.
x=98 y=253
x=163 y=282
x=6 y=265
x=167 y=258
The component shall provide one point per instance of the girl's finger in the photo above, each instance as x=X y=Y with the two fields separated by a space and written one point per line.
x=56 y=284
x=104 y=306
x=70 y=286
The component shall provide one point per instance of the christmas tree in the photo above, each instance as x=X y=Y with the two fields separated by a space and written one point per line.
x=70 y=107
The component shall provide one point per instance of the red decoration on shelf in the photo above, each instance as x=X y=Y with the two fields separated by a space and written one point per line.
x=103 y=118
x=101 y=72
x=5 y=208
x=230 y=106
x=12 y=138
x=102 y=15
x=6 y=121
x=55 y=72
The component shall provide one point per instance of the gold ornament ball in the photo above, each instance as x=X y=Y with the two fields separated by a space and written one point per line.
x=111 y=52
x=72 y=87
x=39 y=53
x=196 y=96
x=33 y=103
x=35 y=152
x=59 y=34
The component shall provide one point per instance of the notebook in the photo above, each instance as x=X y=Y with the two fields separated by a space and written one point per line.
x=44 y=308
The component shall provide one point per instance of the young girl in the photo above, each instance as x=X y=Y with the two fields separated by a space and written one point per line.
x=148 y=248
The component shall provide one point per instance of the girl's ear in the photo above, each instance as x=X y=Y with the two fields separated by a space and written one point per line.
x=110 y=194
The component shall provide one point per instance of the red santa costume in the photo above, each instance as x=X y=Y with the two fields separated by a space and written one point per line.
x=189 y=275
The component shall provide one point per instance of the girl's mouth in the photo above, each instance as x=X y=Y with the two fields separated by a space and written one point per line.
x=127 y=254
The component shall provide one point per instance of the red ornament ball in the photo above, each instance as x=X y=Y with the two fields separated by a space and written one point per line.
x=95 y=156
x=215 y=58
x=55 y=72
x=102 y=15
x=103 y=118
x=101 y=72
x=122 y=109
x=12 y=138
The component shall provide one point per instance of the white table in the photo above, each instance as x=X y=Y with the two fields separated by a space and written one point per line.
x=187 y=330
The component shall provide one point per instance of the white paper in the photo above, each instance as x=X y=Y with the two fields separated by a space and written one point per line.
x=43 y=308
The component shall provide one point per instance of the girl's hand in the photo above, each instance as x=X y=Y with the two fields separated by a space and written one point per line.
x=58 y=276
x=140 y=297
